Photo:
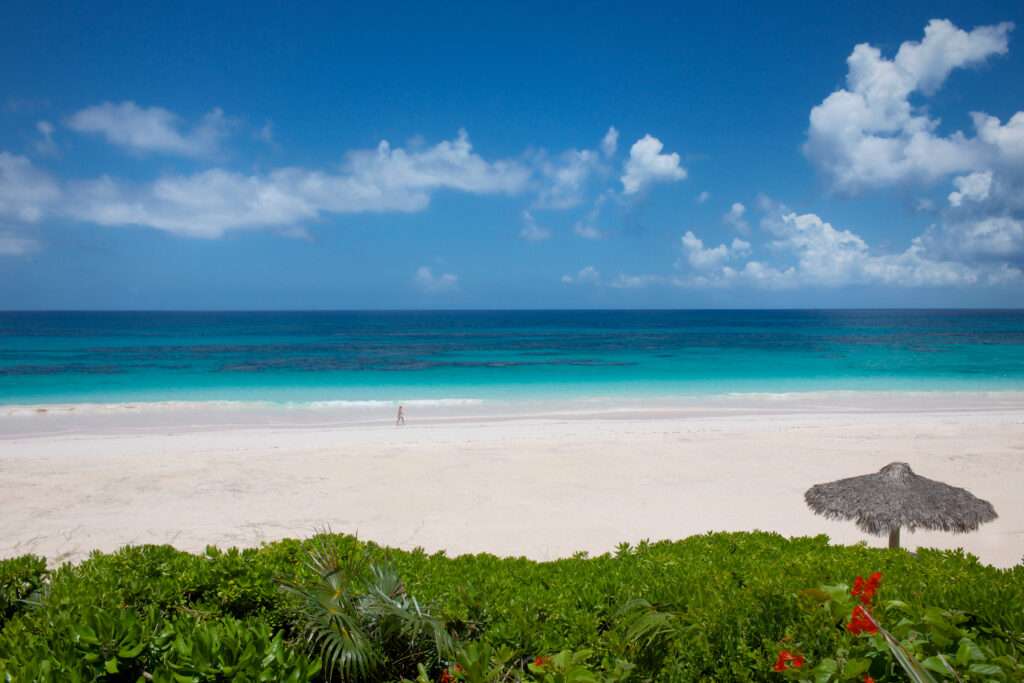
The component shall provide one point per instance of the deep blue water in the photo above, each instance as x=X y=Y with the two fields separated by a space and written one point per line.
x=314 y=356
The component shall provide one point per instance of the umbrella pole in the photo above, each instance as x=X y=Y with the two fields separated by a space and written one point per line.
x=894 y=538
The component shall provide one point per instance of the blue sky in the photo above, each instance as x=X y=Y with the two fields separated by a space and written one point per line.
x=521 y=155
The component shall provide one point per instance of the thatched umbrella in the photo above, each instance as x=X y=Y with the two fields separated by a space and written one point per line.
x=895 y=497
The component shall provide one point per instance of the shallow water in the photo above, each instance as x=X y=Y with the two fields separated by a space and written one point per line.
x=499 y=355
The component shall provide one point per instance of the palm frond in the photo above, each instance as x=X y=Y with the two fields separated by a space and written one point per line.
x=643 y=624
x=400 y=615
x=329 y=615
x=360 y=618
x=913 y=668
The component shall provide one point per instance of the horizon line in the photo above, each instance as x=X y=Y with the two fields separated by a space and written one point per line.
x=511 y=310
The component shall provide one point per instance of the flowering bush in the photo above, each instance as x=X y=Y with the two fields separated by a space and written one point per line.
x=716 y=607
x=861 y=622
x=787 y=660
x=921 y=642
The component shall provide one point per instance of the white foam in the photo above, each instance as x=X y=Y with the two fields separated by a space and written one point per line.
x=22 y=410
x=541 y=404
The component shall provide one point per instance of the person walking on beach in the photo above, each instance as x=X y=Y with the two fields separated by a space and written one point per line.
x=401 y=416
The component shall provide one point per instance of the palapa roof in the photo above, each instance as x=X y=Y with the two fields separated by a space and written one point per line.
x=895 y=497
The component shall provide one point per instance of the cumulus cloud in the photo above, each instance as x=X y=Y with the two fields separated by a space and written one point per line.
x=735 y=218
x=531 y=231
x=825 y=256
x=1006 y=140
x=806 y=251
x=588 y=275
x=610 y=142
x=211 y=202
x=648 y=165
x=703 y=197
x=986 y=239
x=565 y=177
x=974 y=187
x=870 y=135
x=25 y=191
x=426 y=281
x=704 y=258
x=151 y=129
x=587 y=227
x=450 y=164
x=12 y=244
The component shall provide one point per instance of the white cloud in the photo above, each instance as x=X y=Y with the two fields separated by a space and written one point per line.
x=151 y=129
x=647 y=165
x=734 y=217
x=587 y=228
x=946 y=47
x=829 y=257
x=870 y=135
x=1000 y=236
x=703 y=197
x=610 y=142
x=703 y=258
x=25 y=191
x=588 y=275
x=531 y=231
x=1007 y=140
x=565 y=177
x=986 y=239
x=450 y=164
x=11 y=244
x=974 y=187
x=587 y=232
x=45 y=145
x=434 y=284
x=211 y=202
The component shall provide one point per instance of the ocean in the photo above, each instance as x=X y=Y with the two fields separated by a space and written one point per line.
x=439 y=356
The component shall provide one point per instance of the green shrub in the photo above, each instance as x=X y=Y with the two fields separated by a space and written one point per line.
x=19 y=578
x=361 y=619
x=718 y=607
x=229 y=650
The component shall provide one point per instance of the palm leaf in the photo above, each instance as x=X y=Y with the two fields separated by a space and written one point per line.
x=360 y=618
x=912 y=667
x=643 y=624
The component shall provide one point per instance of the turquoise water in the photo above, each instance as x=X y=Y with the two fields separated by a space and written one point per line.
x=357 y=356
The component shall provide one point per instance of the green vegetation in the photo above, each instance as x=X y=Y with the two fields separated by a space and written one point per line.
x=721 y=607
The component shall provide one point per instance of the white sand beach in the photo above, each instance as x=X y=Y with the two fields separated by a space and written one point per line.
x=512 y=482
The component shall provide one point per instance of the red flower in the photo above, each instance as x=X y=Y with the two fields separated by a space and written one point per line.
x=868 y=679
x=540 y=661
x=786 y=660
x=865 y=590
x=446 y=677
x=861 y=622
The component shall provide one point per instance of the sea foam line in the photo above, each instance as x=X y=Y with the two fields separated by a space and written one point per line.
x=95 y=408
